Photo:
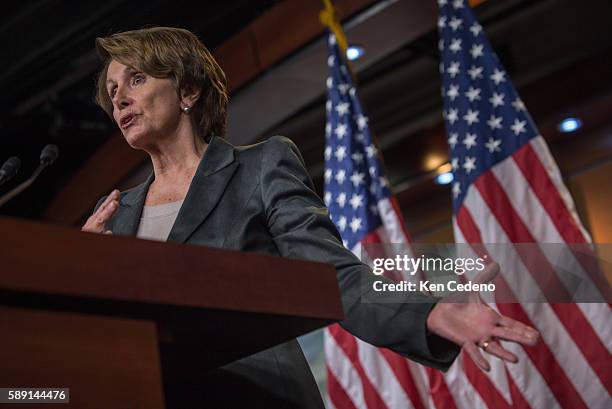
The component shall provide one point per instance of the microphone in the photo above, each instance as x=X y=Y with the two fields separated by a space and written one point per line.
x=9 y=169
x=47 y=156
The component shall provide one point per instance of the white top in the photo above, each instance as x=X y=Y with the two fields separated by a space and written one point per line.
x=157 y=221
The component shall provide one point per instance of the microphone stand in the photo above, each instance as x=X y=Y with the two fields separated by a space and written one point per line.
x=24 y=185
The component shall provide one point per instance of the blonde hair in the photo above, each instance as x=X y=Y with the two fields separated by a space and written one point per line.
x=175 y=53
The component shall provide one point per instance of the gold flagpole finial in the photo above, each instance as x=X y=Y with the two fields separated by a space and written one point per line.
x=329 y=18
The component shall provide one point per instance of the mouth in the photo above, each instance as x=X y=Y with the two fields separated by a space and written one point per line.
x=126 y=121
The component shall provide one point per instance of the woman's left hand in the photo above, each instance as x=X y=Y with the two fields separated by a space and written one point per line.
x=473 y=325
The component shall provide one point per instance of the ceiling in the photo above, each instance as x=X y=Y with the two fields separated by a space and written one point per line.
x=558 y=52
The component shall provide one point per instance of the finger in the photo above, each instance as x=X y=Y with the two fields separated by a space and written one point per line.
x=476 y=356
x=488 y=274
x=96 y=222
x=494 y=348
x=114 y=195
x=108 y=232
x=528 y=334
x=105 y=214
x=511 y=334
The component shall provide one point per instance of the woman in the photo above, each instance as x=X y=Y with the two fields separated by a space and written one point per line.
x=167 y=94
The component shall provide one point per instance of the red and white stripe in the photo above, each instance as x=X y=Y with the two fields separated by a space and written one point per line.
x=522 y=199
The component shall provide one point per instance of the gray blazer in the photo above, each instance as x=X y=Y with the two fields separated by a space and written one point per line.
x=260 y=198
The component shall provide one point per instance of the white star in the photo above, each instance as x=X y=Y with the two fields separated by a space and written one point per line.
x=371 y=150
x=383 y=181
x=352 y=91
x=360 y=137
x=442 y=3
x=455 y=163
x=476 y=29
x=518 y=104
x=518 y=126
x=442 y=22
x=332 y=39
x=452 y=115
x=374 y=209
x=331 y=60
x=328 y=129
x=475 y=72
x=341 y=199
x=342 y=108
x=342 y=223
x=373 y=187
x=455 y=23
x=476 y=51
x=458 y=4
x=497 y=99
x=356 y=201
x=328 y=105
x=498 y=76
x=456 y=189
x=441 y=44
x=453 y=91
x=372 y=171
x=327 y=197
x=327 y=175
x=340 y=176
x=469 y=140
x=329 y=82
x=452 y=140
x=362 y=122
x=471 y=117
x=453 y=69
x=328 y=152
x=469 y=164
x=340 y=130
x=357 y=157
x=343 y=88
x=473 y=94
x=355 y=224
x=357 y=178
x=493 y=145
x=495 y=122
x=455 y=45
x=441 y=68
x=340 y=153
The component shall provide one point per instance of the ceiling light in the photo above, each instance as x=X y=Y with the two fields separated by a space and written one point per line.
x=353 y=52
x=570 y=125
x=444 y=178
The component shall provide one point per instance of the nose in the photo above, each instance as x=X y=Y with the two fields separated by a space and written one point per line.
x=121 y=99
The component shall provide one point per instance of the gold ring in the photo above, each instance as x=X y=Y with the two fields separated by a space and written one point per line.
x=484 y=344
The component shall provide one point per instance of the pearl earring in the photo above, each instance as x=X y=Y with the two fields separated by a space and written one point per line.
x=186 y=109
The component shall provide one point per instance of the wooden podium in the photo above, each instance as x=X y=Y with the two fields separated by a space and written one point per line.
x=111 y=317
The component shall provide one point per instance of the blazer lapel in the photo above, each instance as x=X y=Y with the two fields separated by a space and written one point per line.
x=207 y=186
x=130 y=208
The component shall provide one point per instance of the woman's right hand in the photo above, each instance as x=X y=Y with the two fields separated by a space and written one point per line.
x=96 y=223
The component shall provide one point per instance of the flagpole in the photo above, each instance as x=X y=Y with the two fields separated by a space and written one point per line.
x=329 y=18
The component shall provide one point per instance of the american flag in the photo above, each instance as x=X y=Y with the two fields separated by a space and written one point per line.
x=361 y=205
x=507 y=189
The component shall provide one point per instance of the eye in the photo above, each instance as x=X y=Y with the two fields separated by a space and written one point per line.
x=137 y=79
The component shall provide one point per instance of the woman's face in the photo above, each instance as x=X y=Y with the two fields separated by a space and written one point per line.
x=146 y=108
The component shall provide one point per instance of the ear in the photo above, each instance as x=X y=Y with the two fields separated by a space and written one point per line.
x=189 y=97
